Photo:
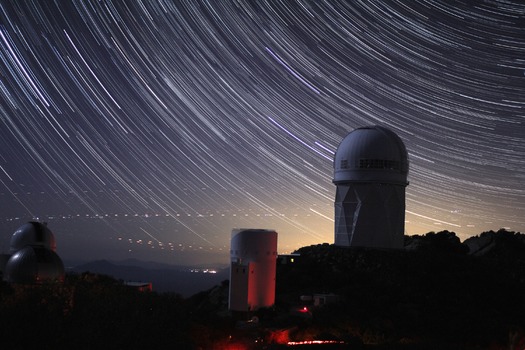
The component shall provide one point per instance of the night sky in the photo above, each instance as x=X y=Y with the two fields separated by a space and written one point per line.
x=150 y=129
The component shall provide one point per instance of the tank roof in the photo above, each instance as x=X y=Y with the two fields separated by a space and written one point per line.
x=250 y=231
x=371 y=154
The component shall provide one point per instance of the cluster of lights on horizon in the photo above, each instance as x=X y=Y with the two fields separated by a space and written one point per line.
x=231 y=113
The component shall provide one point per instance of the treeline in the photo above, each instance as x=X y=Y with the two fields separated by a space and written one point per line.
x=439 y=292
x=90 y=311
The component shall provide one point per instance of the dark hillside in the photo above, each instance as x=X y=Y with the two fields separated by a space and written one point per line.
x=438 y=293
x=90 y=311
x=433 y=292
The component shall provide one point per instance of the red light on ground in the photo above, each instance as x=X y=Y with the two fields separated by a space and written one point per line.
x=304 y=309
x=314 y=342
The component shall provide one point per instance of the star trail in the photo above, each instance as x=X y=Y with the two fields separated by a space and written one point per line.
x=155 y=127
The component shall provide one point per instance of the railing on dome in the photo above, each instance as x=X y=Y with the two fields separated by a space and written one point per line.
x=379 y=164
x=373 y=164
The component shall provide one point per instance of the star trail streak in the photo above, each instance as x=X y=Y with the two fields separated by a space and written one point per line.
x=172 y=122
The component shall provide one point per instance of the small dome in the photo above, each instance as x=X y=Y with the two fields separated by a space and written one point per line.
x=371 y=154
x=32 y=234
x=33 y=265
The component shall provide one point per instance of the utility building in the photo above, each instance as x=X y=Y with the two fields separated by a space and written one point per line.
x=252 y=271
x=370 y=172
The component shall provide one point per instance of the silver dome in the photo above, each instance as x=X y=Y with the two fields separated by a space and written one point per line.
x=34 y=265
x=32 y=234
x=371 y=154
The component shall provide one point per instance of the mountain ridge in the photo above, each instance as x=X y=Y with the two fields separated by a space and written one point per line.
x=165 y=278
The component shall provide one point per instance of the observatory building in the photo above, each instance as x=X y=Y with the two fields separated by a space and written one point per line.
x=370 y=172
x=252 y=271
x=32 y=256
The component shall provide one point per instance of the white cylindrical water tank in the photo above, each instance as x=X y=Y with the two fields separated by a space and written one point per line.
x=253 y=267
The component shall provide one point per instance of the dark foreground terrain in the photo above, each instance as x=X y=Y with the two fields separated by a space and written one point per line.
x=438 y=293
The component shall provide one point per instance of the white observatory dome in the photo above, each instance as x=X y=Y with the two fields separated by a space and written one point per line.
x=371 y=154
x=33 y=265
x=34 y=234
